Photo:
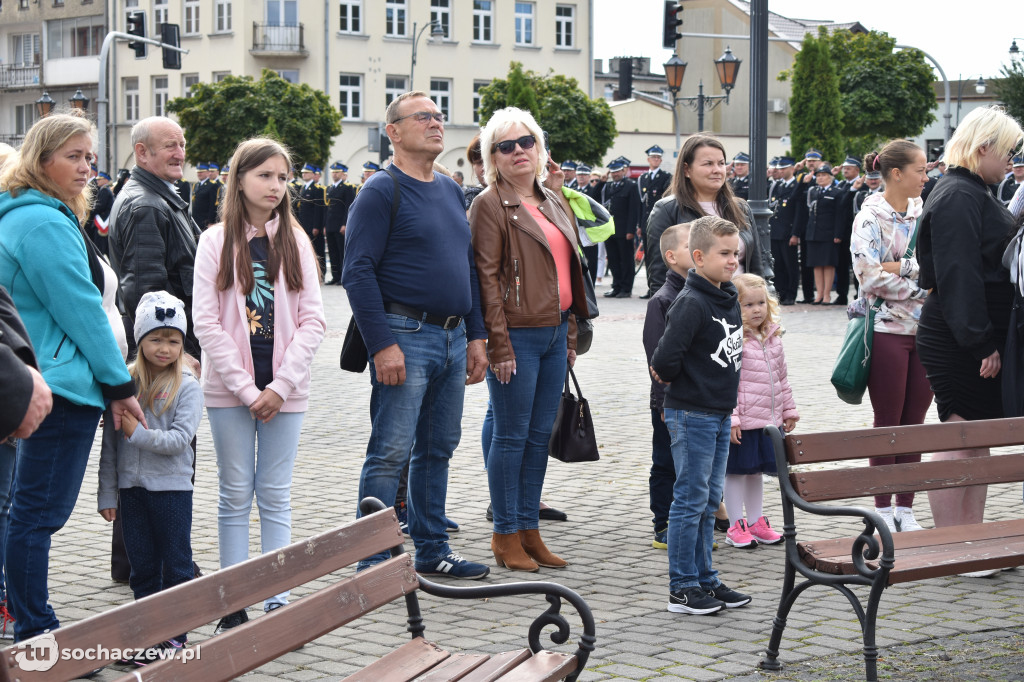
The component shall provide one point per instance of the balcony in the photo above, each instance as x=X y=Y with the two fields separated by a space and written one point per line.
x=274 y=40
x=15 y=76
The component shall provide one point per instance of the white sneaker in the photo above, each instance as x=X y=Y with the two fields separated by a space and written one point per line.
x=904 y=518
x=980 y=574
x=887 y=518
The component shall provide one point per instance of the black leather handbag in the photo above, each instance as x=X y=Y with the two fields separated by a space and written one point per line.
x=572 y=437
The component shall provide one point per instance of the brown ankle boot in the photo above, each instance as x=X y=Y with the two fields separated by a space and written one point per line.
x=536 y=549
x=508 y=552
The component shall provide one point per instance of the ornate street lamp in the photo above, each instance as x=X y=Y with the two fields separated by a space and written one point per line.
x=44 y=105
x=728 y=68
x=79 y=101
x=1014 y=50
x=436 y=31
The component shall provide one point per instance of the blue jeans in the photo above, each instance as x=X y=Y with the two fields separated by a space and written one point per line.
x=8 y=455
x=157 y=528
x=419 y=422
x=524 y=411
x=51 y=466
x=254 y=459
x=700 y=450
x=663 y=471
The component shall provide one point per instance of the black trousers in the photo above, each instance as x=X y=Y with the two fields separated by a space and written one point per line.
x=806 y=273
x=591 y=253
x=336 y=251
x=318 y=247
x=844 y=265
x=620 y=261
x=787 y=269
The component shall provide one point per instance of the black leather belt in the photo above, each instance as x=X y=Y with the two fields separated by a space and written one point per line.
x=449 y=322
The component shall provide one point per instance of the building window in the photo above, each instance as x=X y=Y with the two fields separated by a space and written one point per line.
x=441 y=12
x=24 y=117
x=188 y=80
x=565 y=25
x=22 y=4
x=350 y=95
x=159 y=14
x=191 y=27
x=351 y=16
x=131 y=4
x=160 y=95
x=130 y=88
x=25 y=49
x=477 y=99
x=222 y=16
x=218 y=76
x=524 y=23
x=290 y=75
x=393 y=87
x=80 y=37
x=396 y=12
x=441 y=93
x=483 y=21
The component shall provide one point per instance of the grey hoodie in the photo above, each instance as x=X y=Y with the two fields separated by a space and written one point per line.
x=157 y=458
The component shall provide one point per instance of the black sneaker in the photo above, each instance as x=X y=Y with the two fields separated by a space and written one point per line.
x=232 y=620
x=728 y=596
x=693 y=600
x=721 y=525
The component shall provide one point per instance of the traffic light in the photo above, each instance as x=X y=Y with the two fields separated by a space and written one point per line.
x=137 y=27
x=171 y=35
x=673 y=20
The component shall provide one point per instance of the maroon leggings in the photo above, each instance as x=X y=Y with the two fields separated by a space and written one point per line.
x=900 y=395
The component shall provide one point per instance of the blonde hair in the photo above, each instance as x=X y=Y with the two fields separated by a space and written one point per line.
x=24 y=170
x=151 y=383
x=671 y=237
x=748 y=281
x=501 y=122
x=985 y=126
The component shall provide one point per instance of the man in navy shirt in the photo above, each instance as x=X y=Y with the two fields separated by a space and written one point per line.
x=412 y=285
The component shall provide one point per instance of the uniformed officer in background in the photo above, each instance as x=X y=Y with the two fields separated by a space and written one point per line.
x=340 y=196
x=652 y=186
x=369 y=168
x=102 y=202
x=622 y=199
x=222 y=183
x=851 y=182
x=204 y=199
x=872 y=184
x=312 y=204
x=784 y=244
x=740 y=180
x=1008 y=187
x=805 y=181
x=569 y=170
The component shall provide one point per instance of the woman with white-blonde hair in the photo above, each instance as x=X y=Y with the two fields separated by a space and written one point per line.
x=531 y=279
x=965 y=318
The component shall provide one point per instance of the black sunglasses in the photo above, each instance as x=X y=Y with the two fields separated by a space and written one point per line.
x=509 y=146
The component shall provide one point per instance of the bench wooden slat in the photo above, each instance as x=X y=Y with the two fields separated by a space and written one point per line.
x=190 y=605
x=455 y=667
x=404 y=664
x=902 y=440
x=497 y=666
x=543 y=666
x=266 y=638
x=837 y=484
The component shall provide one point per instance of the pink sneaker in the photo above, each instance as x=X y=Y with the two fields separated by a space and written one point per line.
x=764 y=533
x=739 y=536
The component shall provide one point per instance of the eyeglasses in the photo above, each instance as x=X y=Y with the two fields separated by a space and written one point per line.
x=424 y=117
x=508 y=146
x=1017 y=149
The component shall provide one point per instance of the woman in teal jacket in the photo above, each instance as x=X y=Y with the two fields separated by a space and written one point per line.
x=55 y=279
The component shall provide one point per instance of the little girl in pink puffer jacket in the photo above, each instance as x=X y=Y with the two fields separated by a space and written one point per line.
x=765 y=397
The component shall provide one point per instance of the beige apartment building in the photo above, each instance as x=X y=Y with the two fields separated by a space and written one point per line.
x=359 y=52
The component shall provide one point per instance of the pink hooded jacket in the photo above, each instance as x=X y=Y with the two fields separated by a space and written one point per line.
x=222 y=328
x=764 y=395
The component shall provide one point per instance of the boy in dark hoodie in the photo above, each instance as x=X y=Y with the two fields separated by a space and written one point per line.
x=699 y=357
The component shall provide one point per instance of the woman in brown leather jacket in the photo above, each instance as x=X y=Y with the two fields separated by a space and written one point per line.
x=530 y=279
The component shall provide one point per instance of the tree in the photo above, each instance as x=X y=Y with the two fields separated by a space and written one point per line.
x=579 y=127
x=220 y=115
x=884 y=94
x=816 y=116
x=1010 y=89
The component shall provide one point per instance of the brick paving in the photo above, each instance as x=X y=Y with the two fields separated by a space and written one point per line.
x=607 y=538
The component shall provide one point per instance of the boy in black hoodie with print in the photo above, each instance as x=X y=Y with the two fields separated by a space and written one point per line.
x=699 y=357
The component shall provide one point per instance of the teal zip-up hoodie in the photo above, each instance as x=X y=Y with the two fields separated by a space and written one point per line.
x=45 y=267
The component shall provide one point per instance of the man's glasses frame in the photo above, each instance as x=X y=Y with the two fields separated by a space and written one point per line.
x=424 y=117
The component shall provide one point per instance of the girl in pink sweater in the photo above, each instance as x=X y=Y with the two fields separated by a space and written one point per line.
x=764 y=398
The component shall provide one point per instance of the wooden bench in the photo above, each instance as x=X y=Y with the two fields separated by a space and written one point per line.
x=876 y=558
x=188 y=606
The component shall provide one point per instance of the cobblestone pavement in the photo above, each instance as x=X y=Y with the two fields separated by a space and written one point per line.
x=607 y=538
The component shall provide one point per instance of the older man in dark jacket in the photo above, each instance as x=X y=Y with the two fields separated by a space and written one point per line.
x=152 y=237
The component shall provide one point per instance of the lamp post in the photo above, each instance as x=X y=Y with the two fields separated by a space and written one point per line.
x=979 y=88
x=44 y=105
x=727 y=66
x=79 y=101
x=436 y=32
x=1014 y=50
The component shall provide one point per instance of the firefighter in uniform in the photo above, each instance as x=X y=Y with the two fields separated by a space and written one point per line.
x=204 y=201
x=568 y=168
x=622 y=199
x=740 y=181
x=652 y=186
x=1008 y=187
x=782 y=202
x=340 y=196
x=851 y=182
x=312 y=204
